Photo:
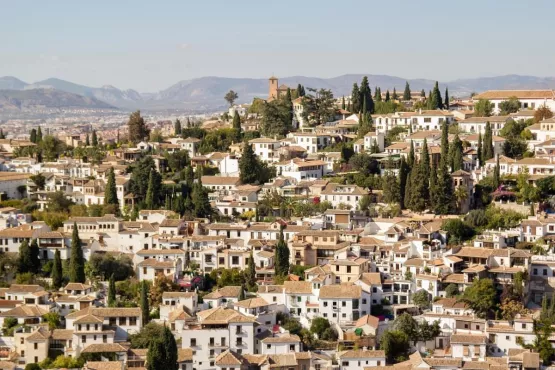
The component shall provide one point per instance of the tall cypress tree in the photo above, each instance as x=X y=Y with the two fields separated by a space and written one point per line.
x=87 y=140
x=199 y=201
x=248 y=165
x=446 y=103
x=408 y=190
x=411 y=156
x=355 y=99
x=394 y=96
x=94 y=139
x=444 y=192
x=433 y=186
x=33 y=136
x=155 y=357
x=496 y=174
x=76 y=260
x=479 y=150
x=112 y=292
x=406 y=93
x=281 y=256
x=177 y=127
x=457 y=154
x=39 y=135
x=110 y=192
x=437 y=102
x=34 y=253
x=430 y=101
x=145 y=307
x=425 y=159
x=149 y=198
x=366 y=95
x=387 y=97
x=423 y=93
x=24 y=261
x=57 y=274
x=170 y=349
x=251 y=273
x=403 y=174
x=378 y=94
x=488 y=144
x=237 y=125
x=343 y=106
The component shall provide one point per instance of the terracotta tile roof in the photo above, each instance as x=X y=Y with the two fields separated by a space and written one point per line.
x=297 y=287
x=252 y=303
x=104 y=347
x=184 y=355
x=62 y=334
x=371 y=278
x=286 y=338
x=468 y=339
x=520 y=94
x=229 y=358
x=7 y=365
x=25 y=311
x=342 y=291
x=104 y=365
x=77 y=286
x=361 y=354
x=370 y=320
x=227 y=292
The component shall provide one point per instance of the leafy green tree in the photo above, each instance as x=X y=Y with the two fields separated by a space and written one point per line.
x=483 y=108
x=407 y=93
x=230 y=97
x=391 y=188
x=276 y=118
x=318 y=107
x=140 y=179
x=457 y=230
x=148 y=332
x=57 y=274
x=76 y=261
x=396 y=346
x=452 y=290
x=509 y=106
x=248 y=165
x=137 y=128
x=542 y=113
x=32 y=366
x=53 y=319
x=480 y=297
x=421 y=299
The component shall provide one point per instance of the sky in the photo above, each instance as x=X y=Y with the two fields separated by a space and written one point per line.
x=151 y=45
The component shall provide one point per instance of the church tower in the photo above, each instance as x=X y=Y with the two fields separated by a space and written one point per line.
x=273 y=90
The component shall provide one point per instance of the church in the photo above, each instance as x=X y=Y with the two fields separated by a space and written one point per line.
x=276 y=91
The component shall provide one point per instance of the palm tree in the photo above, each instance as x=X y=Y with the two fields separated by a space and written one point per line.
x=461 y=195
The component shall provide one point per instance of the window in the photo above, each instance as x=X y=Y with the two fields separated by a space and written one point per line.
x=268 y=346
x=344 y=304
x=123 y=320
x=36 y=345
x=83 y=339
x=193 y=342
x=132 y=321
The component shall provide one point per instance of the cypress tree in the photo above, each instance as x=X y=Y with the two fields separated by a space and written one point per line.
x=112 y=292
x=33 y=136
x=446 y=103
x=177 y=127
x=429 y=100
x=343 y=102
x=281 y=256
x=39 y=135
x=242 y=296
x=199 y=201
x=355 y=99
x=394 y=96
x=349 y=107
x=479 y=150
x=155 y=357
x=34 y=256
x=423 y=93
x=406 y=93
x=411 y=156
x=76 y=260
x=248 y=165
x=403 y=174
x=24 y=261
x=237 y=125
x=433 y=186
x=496 y=174
x=378 y=94
x=145 y=308
x=419 y=189
x=94 y=139
x=457 y=154
x=444 y=192
x=408 y=189
x=149 y=198
x=366 y=95
x=167 y=203
x=117 y=137
x=299 y=91
x=488 y=144
x=170 y=349
x=57 y=271
x=437 y=102
x=425 y=159
x=110 y=192
x=251 y=273
x=87 y=141
x=387 y=98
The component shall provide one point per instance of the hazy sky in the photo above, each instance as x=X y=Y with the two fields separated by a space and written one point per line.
x=150 y=45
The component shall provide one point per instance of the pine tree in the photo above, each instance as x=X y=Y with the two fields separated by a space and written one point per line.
x=112 y=292
x=150 y=198
x=343 y=103
x=94 y=139
x=145 y=308
x=411 y=156
x=177 y=127
x=479 y=150
x=39 y=135
x=110 y=192
x=57 y=273
x=76 y=260
x=34 y=253
x=394 y=96
x=457 y=154
x=387 y=98
x=487 y=144
x=248 y=165
x=87 y=140
x=33 y=136
x=403 y=174
x=446 y=103
x=24 y=261
x=355 y=99
x=406 y=93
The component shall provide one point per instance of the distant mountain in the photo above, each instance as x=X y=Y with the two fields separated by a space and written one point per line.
x=11 y=83
x=35 y=99
x=206 y=93
x=119 y=98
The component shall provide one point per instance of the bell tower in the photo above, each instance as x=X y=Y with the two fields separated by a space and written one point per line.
x=273 y=88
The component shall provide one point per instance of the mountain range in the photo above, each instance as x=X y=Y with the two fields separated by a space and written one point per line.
x=206 y=93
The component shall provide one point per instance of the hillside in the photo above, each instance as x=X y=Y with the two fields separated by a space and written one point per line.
x=25 y=100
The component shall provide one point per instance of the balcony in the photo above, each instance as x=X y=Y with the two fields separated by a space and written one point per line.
x=217 y=345
x=239 y=344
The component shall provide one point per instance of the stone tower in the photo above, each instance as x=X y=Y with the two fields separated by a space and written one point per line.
x=273 y=88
